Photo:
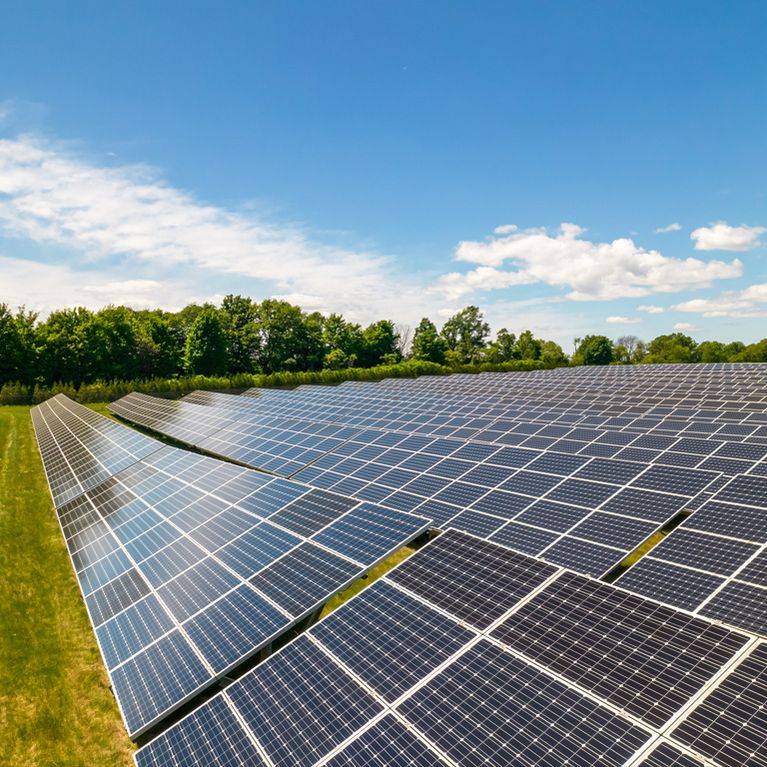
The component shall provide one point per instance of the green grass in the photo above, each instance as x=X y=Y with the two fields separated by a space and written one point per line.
x=56 y=709
x=362 y=583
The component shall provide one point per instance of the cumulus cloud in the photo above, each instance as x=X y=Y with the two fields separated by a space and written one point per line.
x=505 y=229
x=685 y=327
x=675 y=227
x=750 y=302
x=722 y=236
x=130 y=213
x=590 y=270
x=650 y=309
x=620 y=320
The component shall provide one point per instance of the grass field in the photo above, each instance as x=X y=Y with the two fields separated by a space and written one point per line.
x=56 y=709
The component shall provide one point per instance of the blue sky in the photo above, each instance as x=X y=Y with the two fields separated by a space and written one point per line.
x=392 y=159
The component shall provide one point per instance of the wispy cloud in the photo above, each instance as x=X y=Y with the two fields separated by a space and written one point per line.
x=590 y=270
x=650 y=309
x=722 y=236
x=116 y=215
x=683 y=327
x=675 y=227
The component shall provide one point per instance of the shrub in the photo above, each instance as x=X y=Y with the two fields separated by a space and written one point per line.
x=107 y=391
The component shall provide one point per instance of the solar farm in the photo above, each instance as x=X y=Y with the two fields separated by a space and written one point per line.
x=588 y=584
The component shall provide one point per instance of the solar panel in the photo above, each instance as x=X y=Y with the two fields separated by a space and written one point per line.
x=504 y=711
x=473 y=580
x=730 y=724
x=644 y=658
x=188 y=566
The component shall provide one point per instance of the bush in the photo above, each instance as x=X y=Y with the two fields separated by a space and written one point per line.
x=107 y=391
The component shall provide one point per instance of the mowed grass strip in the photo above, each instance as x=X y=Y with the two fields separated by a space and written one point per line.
x=56 y=709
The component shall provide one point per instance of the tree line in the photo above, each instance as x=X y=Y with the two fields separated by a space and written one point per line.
x=77 y=346
x=668 y=348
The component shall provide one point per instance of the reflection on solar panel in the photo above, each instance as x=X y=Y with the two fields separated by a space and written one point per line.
x=188 y=565
x=276 y=444
x=559 y=669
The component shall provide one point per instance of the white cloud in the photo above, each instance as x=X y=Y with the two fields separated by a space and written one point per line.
x=130 y=215
x=505 y=229
x=591 y=270
x=675 y=227
x=650 y=309
x=750 y=302
x=685 y=326
x=619 y=320
x=42 y=287
x=722 y=236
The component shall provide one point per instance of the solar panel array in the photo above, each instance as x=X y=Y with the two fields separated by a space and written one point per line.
x=556 y=497
x=471 y=654
x=188 y=565
x=715 y=562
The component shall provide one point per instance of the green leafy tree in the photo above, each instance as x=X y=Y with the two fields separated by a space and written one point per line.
x=594 y=350
x=109 y=343
x=380 y=342
x=466 y=334
x=552 y=354
x=672 y=347
x=17 y=345
x=238 y=314
x=338 y=335
x=756 y=352
x=528 y=347
x=428 y=345
x=504 y=348
x=712 y=351
x=59 y=341
x=288 y=339
x=206 y=345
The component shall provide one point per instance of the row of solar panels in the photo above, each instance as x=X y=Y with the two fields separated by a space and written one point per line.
x=226 y=733
x=577 y=510
x=469 y=654
x=189 y=565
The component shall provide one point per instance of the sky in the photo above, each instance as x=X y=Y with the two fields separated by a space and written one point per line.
x=570 y=167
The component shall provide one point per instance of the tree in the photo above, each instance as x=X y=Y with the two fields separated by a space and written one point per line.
x=552 y=354
x=528 y=347
x=504 y=348
x=238 y=314
x=161 y=345
x=404 y=335
x=672 y=347
x=712 y=351
x=428 y=345
x=342 y=336
x=288 y=339
x=466 y=333
x=109 y=343
x=594 y=350
x=17 y=345
x=379 y=345
x=60 y=343
x=206 y=345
